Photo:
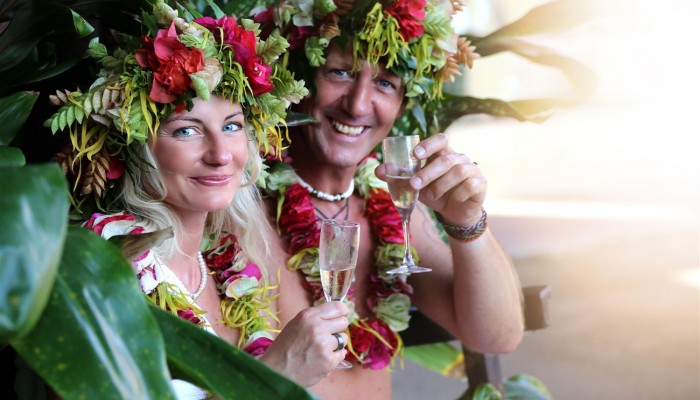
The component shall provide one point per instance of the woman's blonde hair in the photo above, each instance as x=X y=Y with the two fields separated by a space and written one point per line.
x=143 y=195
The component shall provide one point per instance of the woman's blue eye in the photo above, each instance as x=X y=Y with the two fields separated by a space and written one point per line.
x=185 y=132
x=232 y=127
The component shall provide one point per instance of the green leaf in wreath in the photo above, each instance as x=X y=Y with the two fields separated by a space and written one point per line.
x=33 y=209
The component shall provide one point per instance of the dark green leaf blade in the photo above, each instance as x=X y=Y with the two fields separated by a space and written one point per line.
x=11 y=157
x=14 y=110
x=33 y=211
x=97 y=338
x=209 y=362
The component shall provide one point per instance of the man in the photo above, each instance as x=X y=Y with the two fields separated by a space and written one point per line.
x=357 y=96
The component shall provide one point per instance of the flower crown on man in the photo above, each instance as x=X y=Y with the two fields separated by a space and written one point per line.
x=144 y=81
x=412 y=37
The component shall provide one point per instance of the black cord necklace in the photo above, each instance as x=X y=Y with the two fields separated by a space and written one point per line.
x=345 y=207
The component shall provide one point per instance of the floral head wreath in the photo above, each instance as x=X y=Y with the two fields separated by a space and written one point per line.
x=412 y=37
x=144 y=81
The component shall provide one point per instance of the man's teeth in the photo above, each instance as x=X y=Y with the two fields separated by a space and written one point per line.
x=347 y=129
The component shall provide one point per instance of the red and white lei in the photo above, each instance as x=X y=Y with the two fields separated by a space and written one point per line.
x=241 y=285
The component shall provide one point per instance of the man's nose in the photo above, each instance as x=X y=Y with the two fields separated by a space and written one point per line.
x=358 y=99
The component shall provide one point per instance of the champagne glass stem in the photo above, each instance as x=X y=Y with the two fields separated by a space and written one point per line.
x=407 y=256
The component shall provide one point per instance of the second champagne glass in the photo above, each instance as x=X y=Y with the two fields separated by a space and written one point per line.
x=401 y=165
x=340 y=241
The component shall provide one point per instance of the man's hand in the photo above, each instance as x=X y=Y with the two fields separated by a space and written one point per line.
x=449 y=182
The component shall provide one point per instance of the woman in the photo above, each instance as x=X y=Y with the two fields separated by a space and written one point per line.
x=166 y=128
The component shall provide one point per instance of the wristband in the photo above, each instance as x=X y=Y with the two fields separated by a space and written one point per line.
x=465 y=233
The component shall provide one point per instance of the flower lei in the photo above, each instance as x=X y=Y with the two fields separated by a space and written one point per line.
x=374 y=341
x=244 y=291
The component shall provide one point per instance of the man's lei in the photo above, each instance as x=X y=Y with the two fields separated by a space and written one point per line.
x=244 y=291
x=374 y=341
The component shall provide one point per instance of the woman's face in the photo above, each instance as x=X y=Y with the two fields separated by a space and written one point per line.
x=202 y=155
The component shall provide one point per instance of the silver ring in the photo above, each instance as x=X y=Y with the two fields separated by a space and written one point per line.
x=341 y=341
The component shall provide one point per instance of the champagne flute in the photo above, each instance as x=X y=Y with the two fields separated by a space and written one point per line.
x=340 y=241
x=401 y=165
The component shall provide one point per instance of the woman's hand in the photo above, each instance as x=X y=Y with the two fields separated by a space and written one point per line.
x=306 y=350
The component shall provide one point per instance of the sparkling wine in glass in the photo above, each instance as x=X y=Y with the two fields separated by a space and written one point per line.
x=340 y=241
x=401 y=165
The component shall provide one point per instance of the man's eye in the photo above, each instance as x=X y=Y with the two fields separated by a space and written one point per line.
x=232 y=127
x=339 y=72
x=386 y=84
x=185 y=132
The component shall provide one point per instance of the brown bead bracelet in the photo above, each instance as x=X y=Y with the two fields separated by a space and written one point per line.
x=465 y=233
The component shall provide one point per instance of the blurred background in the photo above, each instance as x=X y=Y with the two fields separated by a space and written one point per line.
x=600 y=202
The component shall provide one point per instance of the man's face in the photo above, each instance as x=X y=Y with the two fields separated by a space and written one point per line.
x=355 y=110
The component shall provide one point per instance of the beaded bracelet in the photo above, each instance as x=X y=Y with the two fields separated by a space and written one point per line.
x=465 y=233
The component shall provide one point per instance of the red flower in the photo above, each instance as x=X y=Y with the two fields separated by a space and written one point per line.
x=221 y=256
x=383 y=217
x=172 y=63
x=409 y=14
x=372 y=352
x=267 y=22
x=297 y=35
x=243 y=46
x=298 y=219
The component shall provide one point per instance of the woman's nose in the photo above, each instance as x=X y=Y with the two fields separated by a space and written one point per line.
x=217 y=152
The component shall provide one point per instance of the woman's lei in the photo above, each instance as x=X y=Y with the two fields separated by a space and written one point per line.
x=245 y=300
x=374 y=341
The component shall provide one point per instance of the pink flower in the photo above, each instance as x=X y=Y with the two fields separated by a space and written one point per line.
x=258 y=347
x=409 y=14
x=189 y=315
x=171 y=62
x=116 y=168
x=250 y=270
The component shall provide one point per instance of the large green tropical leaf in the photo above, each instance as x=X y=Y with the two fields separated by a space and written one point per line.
x=209 y=362
x=14 y=110
x=11 y=157
x=42 y=38
x=33 y=211
x=97 y=338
